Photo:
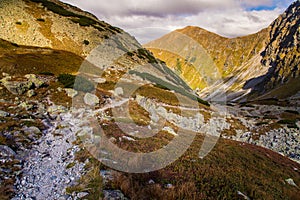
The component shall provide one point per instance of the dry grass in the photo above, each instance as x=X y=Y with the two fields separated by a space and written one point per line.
x=230 y=167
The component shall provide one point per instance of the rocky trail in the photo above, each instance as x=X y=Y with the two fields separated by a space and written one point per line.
x=45 y=172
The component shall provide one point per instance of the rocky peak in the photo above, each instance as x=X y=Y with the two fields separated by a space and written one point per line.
x=283 y=49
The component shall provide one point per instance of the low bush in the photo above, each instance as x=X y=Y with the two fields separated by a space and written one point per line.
x=46 y=73
x=77 y=82
x=40 y=19
x=86 y=42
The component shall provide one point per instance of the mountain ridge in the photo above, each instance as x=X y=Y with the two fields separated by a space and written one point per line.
x=242 y=62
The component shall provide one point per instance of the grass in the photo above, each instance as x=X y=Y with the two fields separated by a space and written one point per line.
x=91 y=182
x=77 y=18
x=229 y=168
x=165 y=84
x=26 y=60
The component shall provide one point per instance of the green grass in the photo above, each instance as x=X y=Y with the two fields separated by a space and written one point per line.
x=165 y=85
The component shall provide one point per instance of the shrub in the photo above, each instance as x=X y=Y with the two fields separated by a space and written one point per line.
x=46 y=73
x=77 y=82
x=86 y=42
x=287 y=121
x=67 y=80
x=84 y=21
x=40 y=20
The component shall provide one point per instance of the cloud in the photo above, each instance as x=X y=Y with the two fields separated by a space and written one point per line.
x=150 y=19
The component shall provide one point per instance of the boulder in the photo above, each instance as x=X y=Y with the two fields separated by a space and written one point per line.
x=34 y=80
x=25 y=105
x=291 y=182
x=6 y=151
x=32 y=130
x=119 y=91
x=30 y=93
x=113 y=194
x=71 y=92
x=17 y=87
x=4 y=114
x=91 y=99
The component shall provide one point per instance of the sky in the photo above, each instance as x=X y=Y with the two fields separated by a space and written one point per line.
x=147 y=20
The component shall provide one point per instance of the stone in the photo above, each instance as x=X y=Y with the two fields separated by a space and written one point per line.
x=82 y=194
x=100 y=80
x=119 y=91
x=7 y=151
x=56 y=109
x=91 y=99
x=34 y=80
x=5 y=74
x=170 y=130
x=17 y=87
x=4 y=114
x=71 y=92
x=128 y=138
x=30 y=93
x=291 y=182
x=31 y=130
x=25 y=105
x=113 y=195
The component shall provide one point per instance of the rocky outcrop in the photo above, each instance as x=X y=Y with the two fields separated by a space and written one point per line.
x=52 y=24
x=282 y=53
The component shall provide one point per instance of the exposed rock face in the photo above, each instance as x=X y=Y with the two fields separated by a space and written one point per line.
x=52 y=24
x=282 y=53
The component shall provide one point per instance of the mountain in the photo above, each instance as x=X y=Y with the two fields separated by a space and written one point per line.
x=240 y=63
x=282 y=56
x=72 y=87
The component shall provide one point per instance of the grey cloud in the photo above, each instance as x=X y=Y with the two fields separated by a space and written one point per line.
x=150 y=19
x=158 y=8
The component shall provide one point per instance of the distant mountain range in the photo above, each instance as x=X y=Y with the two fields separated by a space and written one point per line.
x=258 y=66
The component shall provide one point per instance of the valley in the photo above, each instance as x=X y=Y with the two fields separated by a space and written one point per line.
x=86 y=112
